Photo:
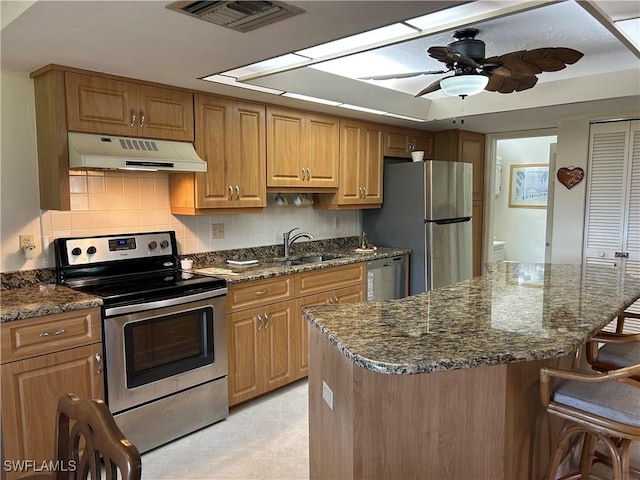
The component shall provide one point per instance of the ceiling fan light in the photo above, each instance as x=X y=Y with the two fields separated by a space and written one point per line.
x=464 y=85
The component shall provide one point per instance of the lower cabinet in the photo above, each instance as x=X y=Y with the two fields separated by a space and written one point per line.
x=32 y=386
x=266 y=331
x=354 y=294
x=260 y=350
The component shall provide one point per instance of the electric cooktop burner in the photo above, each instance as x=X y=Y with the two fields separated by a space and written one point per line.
x=127 y=268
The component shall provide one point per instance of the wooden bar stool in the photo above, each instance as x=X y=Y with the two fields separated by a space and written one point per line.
x=603 y=407
x=620 y=349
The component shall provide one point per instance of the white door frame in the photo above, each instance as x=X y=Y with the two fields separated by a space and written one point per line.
x=489 y=185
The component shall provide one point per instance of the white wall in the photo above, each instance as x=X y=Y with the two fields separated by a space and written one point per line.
x=117 y=202
x=522 y=228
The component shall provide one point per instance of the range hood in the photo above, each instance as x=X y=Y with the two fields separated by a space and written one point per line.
x=123 y=153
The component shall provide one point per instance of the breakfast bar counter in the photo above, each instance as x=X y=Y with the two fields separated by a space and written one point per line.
x=444 y=384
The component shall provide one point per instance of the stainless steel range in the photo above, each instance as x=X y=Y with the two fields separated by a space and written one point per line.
x=164 y=333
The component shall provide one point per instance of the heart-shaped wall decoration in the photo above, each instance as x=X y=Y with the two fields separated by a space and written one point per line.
x=570 y=176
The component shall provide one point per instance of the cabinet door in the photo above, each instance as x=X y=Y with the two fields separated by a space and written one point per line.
x=396 y=142
x=100 y=105
x=371 y=165
x=276 y=342
x=230 y=137
x=30 y=392
x=423 y=141
x=351 y=155
x=165 y=113
x=354 y=294
x=471 y=150
x=301 y=332
x=322 y=150
x=213 y=134
x=248 y=155
x=245 y=364
x=285 y=149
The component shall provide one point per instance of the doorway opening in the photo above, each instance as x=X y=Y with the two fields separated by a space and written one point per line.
x=522 y=167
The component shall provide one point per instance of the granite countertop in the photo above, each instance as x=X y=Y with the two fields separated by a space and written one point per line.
x=45 y=299
x=515 y=312
x=25 y=300
x=272 y=267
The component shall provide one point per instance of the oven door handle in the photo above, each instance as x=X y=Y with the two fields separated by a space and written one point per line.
x=169 y=302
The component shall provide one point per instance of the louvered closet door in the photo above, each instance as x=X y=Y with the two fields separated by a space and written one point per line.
x=612 y=221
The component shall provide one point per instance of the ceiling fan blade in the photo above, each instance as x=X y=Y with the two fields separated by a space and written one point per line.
x=510 y=84
x=532 y=62
x=449 y=56
x=432 y=87
x=403 y=75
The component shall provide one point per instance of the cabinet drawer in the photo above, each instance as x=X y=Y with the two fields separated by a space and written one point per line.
x=332 y=278
x=41 y=335
x=259 y=292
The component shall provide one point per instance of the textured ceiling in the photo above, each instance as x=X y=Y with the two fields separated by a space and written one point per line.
x=143 y=39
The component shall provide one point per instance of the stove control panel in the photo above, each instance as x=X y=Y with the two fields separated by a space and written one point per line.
x=80 y=251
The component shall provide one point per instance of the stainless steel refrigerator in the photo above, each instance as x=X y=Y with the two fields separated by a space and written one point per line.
x=427 y=208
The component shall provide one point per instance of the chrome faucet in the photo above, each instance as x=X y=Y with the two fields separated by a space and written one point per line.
x=288 y=239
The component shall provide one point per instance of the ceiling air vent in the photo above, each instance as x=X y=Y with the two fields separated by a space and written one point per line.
x=241 y=16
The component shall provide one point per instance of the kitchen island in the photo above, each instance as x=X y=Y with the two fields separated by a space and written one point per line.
x=444 y=384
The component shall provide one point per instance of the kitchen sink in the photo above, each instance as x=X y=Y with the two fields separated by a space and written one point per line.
x=304 y=260
x=315 y=258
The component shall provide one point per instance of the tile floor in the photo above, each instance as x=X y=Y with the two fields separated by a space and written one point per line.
x=266 y=439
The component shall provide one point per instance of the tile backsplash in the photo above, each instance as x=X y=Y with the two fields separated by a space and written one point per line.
x=130 y=202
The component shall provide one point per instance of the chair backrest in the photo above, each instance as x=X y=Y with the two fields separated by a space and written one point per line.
x=86 y=433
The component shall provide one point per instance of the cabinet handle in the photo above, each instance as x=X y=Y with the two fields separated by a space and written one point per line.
x=261 y=292
x=364 y=192
x=133 y=118
x=98 y=358
x=51 y=334
x=237 y=192
x=308 y=174
x=260 y=322
x=142 y=118
x=303 y=174
x=266 y=318
x=230 y=192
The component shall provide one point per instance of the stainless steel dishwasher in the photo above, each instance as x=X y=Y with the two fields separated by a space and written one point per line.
x=385 y=278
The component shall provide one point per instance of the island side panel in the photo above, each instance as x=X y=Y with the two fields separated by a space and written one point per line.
x=531 y=432
x=436 y=426
x=330 y=430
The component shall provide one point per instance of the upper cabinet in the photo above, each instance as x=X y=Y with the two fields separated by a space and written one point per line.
x=361 y=152
x=230 y=137
x=464 y=146
x=302 y=149
x=67 y=100
x=106 y=106
x=400 y=142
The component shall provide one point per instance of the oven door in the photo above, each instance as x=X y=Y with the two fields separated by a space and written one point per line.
x=161 y=351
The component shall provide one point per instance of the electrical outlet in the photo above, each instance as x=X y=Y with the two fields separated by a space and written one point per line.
x=27 y=241
x=327 y=395
x=336 y=222
x=217 y=230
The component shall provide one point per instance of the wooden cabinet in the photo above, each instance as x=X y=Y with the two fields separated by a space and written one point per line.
x=463 y=146
x=43 y=359
x=361 y=152
x=68 y=99
x=260 y=350
x=400 y=142
x=230 y=137
x=106 y=106
x=302 y=149
x=329 y=286
x=259 y=331
x=354 y=294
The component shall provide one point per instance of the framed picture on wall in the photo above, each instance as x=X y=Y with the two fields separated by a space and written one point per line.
x=529 y=185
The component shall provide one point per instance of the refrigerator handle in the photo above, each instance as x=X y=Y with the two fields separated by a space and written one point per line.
x=449 y=220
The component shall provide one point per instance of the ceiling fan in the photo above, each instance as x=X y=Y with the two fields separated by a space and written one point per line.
x=472 y=72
